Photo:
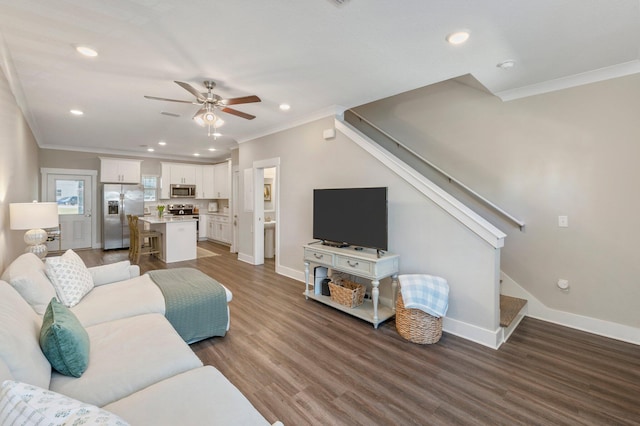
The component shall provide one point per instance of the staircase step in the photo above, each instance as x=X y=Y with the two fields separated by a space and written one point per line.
x=510 y=307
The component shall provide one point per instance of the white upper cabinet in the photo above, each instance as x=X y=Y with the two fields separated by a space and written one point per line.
x=183 y=174
x=204 y=182
x=118 y=170
x=165 y=178
x=211 y=180
x=222 y=180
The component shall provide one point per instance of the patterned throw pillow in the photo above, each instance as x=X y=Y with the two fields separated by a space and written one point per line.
x=23 y=404
x=70 y=277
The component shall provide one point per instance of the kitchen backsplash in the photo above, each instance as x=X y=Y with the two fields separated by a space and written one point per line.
x=202 y=205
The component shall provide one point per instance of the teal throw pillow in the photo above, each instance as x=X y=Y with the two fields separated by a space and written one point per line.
x=64 y=341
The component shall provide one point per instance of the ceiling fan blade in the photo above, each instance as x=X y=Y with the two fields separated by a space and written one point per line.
x=189 y=88
x=241 y=100
x=168 y=100
x=238 y=113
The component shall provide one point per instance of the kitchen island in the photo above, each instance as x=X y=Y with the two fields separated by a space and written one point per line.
x=179 y=239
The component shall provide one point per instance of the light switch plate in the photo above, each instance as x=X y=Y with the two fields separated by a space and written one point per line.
x=563 y=221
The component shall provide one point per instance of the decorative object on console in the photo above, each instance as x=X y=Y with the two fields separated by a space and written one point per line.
x=349 y=294
x=33 y=217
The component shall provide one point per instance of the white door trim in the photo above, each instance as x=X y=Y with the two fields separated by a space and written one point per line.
x=258 y=209
x=44 y=174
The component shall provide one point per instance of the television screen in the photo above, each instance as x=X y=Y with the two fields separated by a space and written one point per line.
x=351 y=216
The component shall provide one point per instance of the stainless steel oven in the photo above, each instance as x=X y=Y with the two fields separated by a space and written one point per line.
x=183 y=191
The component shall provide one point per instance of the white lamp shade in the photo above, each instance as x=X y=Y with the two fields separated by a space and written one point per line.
x=33 y=215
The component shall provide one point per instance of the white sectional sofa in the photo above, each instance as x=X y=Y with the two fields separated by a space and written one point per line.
x=139 y=369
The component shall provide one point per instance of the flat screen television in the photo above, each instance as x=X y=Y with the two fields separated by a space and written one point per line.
x=351 y=216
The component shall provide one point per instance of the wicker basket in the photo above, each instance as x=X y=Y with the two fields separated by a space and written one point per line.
x=349 y=294
x=415 y=325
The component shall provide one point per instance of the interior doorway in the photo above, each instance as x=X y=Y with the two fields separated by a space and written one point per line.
x=74 y=192
x=268 y=191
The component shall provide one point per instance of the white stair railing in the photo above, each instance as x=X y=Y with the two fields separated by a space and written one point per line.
x=451 y=179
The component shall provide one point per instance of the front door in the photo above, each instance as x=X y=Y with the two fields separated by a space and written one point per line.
x=74 y=196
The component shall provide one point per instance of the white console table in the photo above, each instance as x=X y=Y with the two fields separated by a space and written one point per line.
x=366 y=264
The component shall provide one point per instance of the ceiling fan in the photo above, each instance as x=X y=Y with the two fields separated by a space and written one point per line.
x=210 y=101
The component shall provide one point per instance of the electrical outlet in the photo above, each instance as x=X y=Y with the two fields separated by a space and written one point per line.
x=563 y=221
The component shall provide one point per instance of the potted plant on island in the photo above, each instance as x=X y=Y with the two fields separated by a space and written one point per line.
x=160 y=208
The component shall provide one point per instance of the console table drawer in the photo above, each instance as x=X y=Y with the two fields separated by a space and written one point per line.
x=318 y=256
x=355 y=265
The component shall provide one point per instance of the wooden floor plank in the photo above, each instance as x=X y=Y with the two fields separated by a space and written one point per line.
x=304 y=363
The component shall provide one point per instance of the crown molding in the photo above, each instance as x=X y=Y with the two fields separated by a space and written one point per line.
x=330 y=111
x=602 y=74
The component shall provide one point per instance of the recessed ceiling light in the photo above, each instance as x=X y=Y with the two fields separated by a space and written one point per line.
x=196 y=155
x=508 y=64
x=212 y=149
x=76 y=112
x=216 y=134
x=87 y=51
x=285 y=107
x=163 y=143
x=458 y=37
x=150 y=149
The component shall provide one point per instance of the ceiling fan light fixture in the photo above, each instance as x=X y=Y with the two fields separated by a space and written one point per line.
x=209 y=117
x=199 y=120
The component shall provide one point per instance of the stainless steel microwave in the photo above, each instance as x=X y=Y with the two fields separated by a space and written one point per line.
x=183 y=191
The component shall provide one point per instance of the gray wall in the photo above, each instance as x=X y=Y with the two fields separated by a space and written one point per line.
x=19 y=174
x=427 y=239
x=573 y=152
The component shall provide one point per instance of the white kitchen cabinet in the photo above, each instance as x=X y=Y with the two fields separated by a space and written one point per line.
x=119 y=170
x=211 y=228
x=165 y=181
x=183 y=174
x=203 y=227
x=219 y=228
x=222 y=180
x=204 y=182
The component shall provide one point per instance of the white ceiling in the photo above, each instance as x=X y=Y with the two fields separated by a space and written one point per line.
x=312 y=54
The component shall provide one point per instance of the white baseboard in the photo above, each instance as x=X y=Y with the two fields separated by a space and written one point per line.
x=492 y=339
x=247 y=258
x=290 y=273
x=537 y=309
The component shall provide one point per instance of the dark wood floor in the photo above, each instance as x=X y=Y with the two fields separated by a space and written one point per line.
x=304 y=363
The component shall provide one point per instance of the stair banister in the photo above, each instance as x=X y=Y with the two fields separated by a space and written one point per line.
x=445 y=174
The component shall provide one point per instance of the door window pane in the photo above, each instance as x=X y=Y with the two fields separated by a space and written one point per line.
x=70 y=196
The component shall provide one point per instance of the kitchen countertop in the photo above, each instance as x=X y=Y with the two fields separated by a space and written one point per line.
x=171 y=219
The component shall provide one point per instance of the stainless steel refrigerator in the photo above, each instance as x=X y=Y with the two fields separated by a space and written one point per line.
x=119 y=201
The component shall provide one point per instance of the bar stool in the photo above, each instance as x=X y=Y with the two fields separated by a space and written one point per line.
x=142 y=241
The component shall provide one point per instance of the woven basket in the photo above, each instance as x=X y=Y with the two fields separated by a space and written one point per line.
x=349 y=294
x=415 y=325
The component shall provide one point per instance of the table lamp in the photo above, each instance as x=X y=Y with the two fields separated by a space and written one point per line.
x=34 y=216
